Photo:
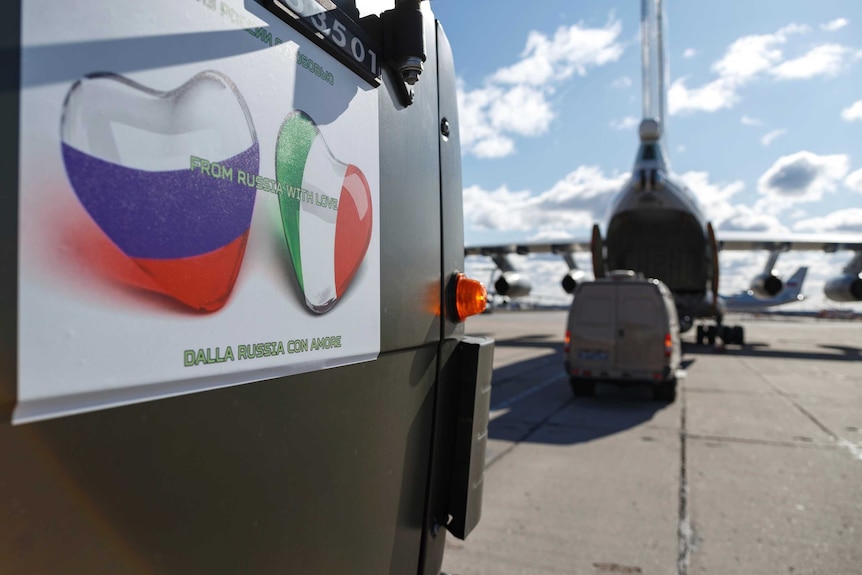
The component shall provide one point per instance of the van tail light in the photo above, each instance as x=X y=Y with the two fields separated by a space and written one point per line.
x=568 y=341
x=668 y=345
x=468 y=297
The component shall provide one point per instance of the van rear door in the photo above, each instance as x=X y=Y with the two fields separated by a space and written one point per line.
x=641 y=325
x=593 y=326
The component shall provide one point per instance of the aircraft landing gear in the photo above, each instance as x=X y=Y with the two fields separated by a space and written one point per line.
x=729 y=335
x=733 y=335
x=706 y=334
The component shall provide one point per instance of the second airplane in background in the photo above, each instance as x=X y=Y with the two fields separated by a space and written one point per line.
x=748 y=302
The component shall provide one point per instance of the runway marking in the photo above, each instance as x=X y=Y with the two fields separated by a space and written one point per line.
x=526 y=393
x=770 y=442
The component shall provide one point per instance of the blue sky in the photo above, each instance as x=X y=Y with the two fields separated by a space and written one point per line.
x=765 y=124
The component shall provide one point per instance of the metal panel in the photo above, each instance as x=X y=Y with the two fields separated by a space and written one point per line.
x=10 y=65
x=452 y=222
x=323 y=473
x=410 y=209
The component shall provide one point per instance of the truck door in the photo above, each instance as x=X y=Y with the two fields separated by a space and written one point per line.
x=322 y=468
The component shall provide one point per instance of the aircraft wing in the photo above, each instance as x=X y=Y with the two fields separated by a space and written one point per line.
x=730 y=241
x=529 y=248
x=789 y=242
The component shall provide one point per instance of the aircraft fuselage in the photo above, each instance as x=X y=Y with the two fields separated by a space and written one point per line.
x=657 y=228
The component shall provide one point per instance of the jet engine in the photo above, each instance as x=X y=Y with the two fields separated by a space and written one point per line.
x=572 y=279
x=844 y=288
x=766 y=285
x=512 y=284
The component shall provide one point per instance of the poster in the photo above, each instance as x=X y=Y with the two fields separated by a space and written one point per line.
x=199 y=204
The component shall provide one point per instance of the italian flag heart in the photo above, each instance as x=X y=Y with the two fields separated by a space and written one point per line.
x=325 y=209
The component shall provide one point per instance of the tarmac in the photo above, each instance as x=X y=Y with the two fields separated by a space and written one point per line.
x=756 y=468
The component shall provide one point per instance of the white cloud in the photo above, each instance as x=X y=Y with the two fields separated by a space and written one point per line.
x=770 y=137
x=799 y=178
x=743 y=60
x=854 y=181
x=752 y=57
x=626 y=123
x=521 y=110
x=514 y=102
x=714 y=198
x=852 y=112
x=748 y=219
x=689 y=53
x=823 y=60
x=714 y=96
x=572 y=204
x=749 y=121
x=495 y=146
x=499 y=209
x=847 y=220
x=571 y=50
x=622 y=82
x=836 y=24
x=478 y=134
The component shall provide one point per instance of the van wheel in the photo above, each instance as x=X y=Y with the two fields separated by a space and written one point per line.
x=583 y=388
x=665 y=391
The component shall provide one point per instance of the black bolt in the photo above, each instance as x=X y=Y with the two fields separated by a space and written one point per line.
x=444 y=127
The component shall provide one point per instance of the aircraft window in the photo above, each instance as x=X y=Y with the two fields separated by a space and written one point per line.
x=648 y=152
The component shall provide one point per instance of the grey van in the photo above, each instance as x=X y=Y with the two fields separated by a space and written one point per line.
x=623 y=330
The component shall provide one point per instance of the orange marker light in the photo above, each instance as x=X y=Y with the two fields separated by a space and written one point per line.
x=471 y=297
x=668 y=345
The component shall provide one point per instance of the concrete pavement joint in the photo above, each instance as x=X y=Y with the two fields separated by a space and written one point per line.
x=849 y=446
x=684 y=530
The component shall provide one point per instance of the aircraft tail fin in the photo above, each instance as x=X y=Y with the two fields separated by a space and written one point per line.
x=654 y=69
x=794 y=283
